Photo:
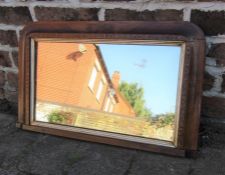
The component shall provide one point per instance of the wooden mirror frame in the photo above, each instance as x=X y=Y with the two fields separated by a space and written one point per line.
x=191 y=76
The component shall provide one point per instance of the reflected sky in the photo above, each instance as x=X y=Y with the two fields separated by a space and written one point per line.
x=155 y=68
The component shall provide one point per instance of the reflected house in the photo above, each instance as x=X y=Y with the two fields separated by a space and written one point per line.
x=76 y=75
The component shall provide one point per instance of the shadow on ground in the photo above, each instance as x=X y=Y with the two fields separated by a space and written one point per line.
x=28 y=153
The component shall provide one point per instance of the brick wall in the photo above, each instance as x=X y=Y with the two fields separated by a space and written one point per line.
x=208 y=15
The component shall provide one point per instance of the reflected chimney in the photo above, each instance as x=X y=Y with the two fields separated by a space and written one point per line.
x=116 y=79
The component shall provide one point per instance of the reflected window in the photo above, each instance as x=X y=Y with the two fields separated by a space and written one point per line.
x=100 y=88
x=93 y=78
x=97 y=64
x=107 y=104
x=111 y=106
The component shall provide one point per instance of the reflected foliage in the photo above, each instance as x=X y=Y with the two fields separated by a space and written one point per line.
x=135 y=96
x=60 y=117
x=163 y=120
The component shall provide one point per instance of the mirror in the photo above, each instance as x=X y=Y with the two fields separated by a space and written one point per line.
x=123 y=88
x=133 y=84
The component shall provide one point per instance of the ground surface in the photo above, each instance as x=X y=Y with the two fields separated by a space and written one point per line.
x=28 y=153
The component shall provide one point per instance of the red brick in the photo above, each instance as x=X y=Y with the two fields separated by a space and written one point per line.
x=211 y=22
x=213 y=107
x=4 y=59
x=15 y=15
x=12 y=79
x=2 y=78
x=66 y=14
x=208 y=81
x=8 y=38
x=217 y=51
x=2 y=96
x=223 y=84
x=158 y=15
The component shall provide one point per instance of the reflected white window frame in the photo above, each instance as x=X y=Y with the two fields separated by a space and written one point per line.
x=93 y=77
x=111 y=107
x=106 y=107
x=97 y=64
x=113 y=103
x=110 y=103
x=100 y=90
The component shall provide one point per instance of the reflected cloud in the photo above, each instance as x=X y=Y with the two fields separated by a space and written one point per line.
x=142 y=64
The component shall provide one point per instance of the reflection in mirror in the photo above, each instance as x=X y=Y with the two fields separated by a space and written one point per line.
x=119 y=88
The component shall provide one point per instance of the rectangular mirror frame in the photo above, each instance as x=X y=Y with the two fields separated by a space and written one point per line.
x=189 y=36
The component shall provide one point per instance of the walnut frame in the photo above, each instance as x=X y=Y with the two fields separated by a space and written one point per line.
x=186 y=34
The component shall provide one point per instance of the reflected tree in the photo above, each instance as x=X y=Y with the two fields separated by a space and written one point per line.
x=135 y=96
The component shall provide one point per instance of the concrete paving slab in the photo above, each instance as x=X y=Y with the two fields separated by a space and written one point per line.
x=30 y=153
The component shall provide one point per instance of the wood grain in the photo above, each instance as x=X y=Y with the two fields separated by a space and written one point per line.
x=154 y=32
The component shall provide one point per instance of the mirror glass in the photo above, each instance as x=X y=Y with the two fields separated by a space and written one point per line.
x=130 y=89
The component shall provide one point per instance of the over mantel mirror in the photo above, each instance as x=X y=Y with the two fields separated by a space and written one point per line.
x=130 y=84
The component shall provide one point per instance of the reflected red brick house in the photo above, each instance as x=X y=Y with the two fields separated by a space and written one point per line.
x=75 y=74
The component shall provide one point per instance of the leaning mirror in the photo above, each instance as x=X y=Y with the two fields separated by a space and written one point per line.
x=105 y=82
